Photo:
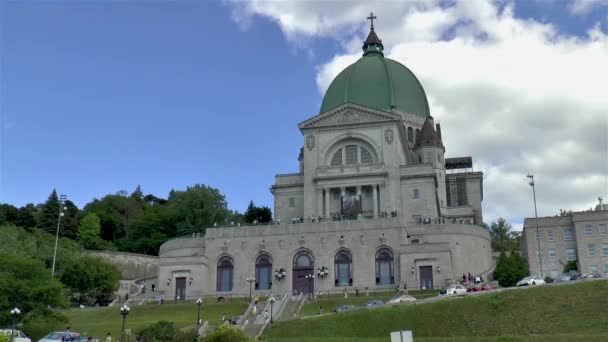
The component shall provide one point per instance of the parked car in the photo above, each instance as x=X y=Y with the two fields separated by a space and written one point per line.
x=372 y=303
x=478 y=288
x=454 y=290
x=57 y=336
x=84 y=339
x=532 y=280
x=342 y=307
x=401 y=299
x=18 y=336
x=590 y=275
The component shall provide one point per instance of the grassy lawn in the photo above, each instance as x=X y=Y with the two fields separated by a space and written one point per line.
x=328 y=302
x=575 y=312
x=99 y=321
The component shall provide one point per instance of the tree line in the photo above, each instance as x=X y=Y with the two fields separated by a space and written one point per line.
x=132 y=222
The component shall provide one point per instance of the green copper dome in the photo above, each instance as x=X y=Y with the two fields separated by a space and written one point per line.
x=377 y=82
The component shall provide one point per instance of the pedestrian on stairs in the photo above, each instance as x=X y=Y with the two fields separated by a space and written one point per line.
x=254 y=310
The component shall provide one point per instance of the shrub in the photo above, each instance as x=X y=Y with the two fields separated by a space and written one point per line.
x=227 y=333
x=164 y=331
x=548 y=280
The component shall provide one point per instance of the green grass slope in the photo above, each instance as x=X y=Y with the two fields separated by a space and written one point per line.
x=573 y=312
x=99 y=321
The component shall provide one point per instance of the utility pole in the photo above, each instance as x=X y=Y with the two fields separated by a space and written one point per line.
x=62 y=199
x=540 y=254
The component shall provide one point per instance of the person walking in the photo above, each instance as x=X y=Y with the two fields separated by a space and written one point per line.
x=266 y=315
x=254 y=310
x=108 y=338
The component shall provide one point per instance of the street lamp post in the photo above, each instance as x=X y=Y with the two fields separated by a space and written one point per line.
x=310 y=279
x=124 y=311
x=14 y=313
x=199 y=302
x=540 y=254
x=62 y=199
x=271 y=300
x=250 y=280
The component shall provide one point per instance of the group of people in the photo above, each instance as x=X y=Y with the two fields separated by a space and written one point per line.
x=443 y=220
x=471 y=279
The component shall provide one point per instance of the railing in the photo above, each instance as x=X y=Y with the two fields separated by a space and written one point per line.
x=444 y=220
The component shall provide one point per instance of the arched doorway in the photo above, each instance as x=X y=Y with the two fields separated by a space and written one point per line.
x=263 y=272
x=384 y=267
x=303 y=270
x=343 y=268
x=225 y=268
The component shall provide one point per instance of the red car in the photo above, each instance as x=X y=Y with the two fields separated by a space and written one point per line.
x=477 y=288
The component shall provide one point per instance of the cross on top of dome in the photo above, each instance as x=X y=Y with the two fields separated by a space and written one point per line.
x=371 y=19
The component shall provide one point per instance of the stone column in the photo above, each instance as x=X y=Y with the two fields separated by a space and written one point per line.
x=327 y=191
x=360 y=214
x=319 y=202
x=375 y=199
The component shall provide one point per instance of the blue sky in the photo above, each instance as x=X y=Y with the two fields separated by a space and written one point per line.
x=97 y=97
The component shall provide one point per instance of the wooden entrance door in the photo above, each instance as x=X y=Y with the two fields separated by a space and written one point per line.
x=426 y=277
x=301 y=283
x=180 y=288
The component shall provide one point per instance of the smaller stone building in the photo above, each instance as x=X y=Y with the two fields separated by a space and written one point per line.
x=582 y=236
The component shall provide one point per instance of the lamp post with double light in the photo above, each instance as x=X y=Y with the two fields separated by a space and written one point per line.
x=14 y=313
x=199 y=302
x=539 y=253
x=124 y=312
x=62 y=199
x=250 y=280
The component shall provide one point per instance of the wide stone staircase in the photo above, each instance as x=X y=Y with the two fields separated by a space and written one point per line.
x=255 y=325
x=292 y=308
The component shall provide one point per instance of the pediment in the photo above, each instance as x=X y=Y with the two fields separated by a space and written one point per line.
x=349 y=115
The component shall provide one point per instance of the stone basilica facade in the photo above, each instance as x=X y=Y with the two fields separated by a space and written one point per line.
x=375 y=203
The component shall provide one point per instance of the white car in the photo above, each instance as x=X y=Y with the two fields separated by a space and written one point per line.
x=532 y=280
x=454 y=290
x=401 y=299
x=18 y=336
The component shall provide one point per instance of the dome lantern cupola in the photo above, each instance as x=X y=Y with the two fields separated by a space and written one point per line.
x=372 y=44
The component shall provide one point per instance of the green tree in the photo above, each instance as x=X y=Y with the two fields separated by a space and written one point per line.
x=49 y=213
x=26 y=283
x=8 y=214
x=504 y=239
x=259 y=214
x=90 y=280
x=227 y=333
x=27 y=217
x=509 y=270
x=572 y=265
x=70 y=220
x=89 y=231
x=197 y=208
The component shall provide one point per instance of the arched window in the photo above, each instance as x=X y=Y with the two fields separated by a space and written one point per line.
x=225 y=272
x=351 y=155
x=366 y=157
x=263 y=272
x=343 y=268
x=337 y=158
x=302 y=260
x=410 y=134
x=384 y=267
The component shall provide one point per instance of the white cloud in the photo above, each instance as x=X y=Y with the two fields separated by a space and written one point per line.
x=515 y=94
x=581 y=7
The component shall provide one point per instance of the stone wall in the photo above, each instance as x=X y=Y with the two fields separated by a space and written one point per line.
x=130 y=265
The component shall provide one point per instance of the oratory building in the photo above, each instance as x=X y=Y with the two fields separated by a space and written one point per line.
x=374 y=205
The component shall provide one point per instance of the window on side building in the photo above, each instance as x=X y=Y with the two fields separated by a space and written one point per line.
x=550 y=236
x=568 y=234
x=552 y=255
x=292 y=202
x=416 y=194
x=603 y=229
x=570 y=254
x=588 y=230
x=591 y=249
x=605 y=249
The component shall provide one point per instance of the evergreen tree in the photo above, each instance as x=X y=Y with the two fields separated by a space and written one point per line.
x=138 y=194
x=49 y=213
